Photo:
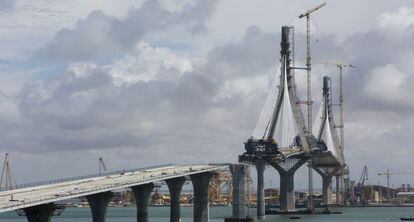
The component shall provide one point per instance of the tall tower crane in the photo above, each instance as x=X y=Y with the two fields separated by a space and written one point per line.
x=309 y=91
x=6 y=177
x=388 y=174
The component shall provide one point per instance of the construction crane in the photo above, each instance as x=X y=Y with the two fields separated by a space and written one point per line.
x=359 y=188
x=6 y=178
x=102 y=166
x=387 y=173
x=309 y=92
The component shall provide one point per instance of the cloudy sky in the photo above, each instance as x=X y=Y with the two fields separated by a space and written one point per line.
x=147 y=82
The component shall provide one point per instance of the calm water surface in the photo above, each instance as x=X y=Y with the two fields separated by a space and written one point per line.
x=161 y=214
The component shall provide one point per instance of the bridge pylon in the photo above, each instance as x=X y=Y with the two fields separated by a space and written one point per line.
x=279 y=139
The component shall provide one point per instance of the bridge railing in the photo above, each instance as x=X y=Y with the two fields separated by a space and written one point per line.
x=62 y=180
x=20 y=204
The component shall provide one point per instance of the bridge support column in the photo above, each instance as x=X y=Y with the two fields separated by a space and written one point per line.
x=238 y=173
x=200 y=184
x=337 y=194
x=99 y=204
x=260 y=167
x=327 y=190
x=142 y=195
x=326 y=174
x=40 y=213
x=287 y=190
x=175 y=185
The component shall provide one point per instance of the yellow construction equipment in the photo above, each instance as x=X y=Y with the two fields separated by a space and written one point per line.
x=220 y=189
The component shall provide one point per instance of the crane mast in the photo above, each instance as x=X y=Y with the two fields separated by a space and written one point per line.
x=309 y=93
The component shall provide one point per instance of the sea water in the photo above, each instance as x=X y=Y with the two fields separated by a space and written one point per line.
x=161 y=214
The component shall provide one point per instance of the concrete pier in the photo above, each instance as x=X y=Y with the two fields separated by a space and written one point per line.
x=200 y=183
x=238 y=173
x=260 y=167
x=40 y=213
x=142 y=194
x=327 y=175
x=287 y=190
x=99 y=204
x=174 y=186
x=327 y=189
x=337 y=194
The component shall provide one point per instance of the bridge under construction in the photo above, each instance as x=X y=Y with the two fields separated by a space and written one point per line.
x=36 y=202
x=282 y=139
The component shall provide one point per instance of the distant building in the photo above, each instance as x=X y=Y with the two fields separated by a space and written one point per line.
x=379 y=194
x=406 y=188
x=405 y=197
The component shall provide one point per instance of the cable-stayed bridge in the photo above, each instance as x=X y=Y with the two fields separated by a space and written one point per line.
x=281 y=139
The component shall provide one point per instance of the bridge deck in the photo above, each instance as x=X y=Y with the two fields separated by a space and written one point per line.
x=325 y=159
x=32 y=196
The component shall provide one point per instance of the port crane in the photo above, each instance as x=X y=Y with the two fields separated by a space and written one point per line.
x=388 y=174
x=359 y=188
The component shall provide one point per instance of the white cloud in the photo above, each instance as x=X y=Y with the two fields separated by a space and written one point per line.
x=400 y=19
x=148 y=63
x=387 y=84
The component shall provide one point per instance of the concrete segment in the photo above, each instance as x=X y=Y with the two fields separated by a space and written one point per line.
x=142 y=195
x=175 y=185
x=200 y=183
